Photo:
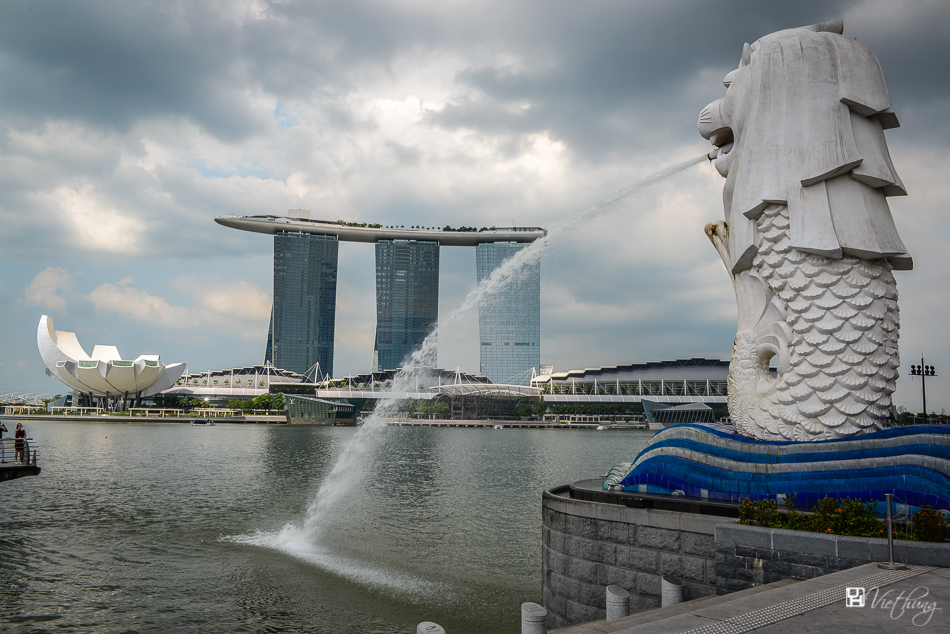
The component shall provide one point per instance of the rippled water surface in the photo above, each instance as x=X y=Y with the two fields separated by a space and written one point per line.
x=168 y=527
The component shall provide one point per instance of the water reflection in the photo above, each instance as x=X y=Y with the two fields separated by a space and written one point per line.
x=130 y=531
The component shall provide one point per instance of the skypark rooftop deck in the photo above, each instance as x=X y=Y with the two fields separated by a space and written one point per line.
x=274 y=224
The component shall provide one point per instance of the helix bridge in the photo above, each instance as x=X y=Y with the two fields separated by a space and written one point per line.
x=25 y=398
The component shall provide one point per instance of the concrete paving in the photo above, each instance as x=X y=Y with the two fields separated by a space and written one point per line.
x=916 y=600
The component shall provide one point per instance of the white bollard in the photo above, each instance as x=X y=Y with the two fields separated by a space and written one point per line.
x=671 y=591
x=534 y=619
x=427 y=627
x=618 y=603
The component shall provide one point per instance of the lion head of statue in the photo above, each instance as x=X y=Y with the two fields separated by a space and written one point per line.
x=802 y=124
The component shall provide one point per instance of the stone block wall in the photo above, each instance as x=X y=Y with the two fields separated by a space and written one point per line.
x=587 y=546
x=748 y=556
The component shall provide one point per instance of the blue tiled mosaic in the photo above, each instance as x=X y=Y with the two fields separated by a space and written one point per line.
x=712 y=462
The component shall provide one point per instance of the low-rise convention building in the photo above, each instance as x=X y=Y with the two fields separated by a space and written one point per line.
x=694 y=380
x=217 y=387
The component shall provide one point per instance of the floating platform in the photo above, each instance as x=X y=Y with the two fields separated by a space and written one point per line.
x=14 y=471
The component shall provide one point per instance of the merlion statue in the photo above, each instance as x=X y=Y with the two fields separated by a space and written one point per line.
x=808 y=235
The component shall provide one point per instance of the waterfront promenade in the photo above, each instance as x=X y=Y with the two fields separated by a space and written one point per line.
x=281 y=419
x=917 y=599
x=509 y=424
x=109 y=418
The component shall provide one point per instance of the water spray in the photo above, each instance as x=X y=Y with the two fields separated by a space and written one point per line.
x=343 y=476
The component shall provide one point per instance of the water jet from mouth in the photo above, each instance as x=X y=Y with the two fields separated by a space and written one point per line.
x=352 y=459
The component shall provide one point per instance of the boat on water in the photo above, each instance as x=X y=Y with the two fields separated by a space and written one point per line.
x=203 y=422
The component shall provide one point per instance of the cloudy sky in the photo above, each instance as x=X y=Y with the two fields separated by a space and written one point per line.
x=125 y=128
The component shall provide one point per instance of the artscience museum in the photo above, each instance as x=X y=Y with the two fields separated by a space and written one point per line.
x=104 y=375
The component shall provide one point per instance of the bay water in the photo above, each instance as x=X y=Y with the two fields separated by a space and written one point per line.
x=172 y=528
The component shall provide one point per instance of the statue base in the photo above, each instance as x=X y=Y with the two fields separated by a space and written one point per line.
x=712 y=462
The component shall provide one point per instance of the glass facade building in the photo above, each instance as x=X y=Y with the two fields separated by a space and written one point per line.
x=303 y=318
x=407 y=300
x=509 y=320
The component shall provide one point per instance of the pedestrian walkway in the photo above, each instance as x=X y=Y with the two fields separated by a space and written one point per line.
x=862 y=600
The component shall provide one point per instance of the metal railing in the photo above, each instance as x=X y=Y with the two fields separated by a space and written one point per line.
x=17 y=451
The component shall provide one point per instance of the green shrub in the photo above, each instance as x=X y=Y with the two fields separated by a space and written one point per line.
x=929 y=525
x=746 y=512
x=859 y=519
x=845 y=516
x=760 y=513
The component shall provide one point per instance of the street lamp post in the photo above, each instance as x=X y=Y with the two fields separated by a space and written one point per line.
x=923 y=371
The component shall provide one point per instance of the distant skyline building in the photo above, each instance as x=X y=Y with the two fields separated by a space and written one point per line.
x=303 y=317
x=302 y=324
x=407 y=300
x=509 y=320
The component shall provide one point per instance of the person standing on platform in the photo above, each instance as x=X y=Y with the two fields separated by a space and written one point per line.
x=3 y=453
x=19 y=444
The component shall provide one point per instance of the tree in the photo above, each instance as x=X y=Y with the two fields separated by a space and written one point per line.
x=539 y=409
x=524 y=410
x=277 y=402
x=262 y=402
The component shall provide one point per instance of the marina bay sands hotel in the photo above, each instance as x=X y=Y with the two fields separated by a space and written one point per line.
x=303 y=317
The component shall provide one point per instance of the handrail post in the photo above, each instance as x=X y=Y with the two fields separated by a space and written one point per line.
x=671 y=591
x=618 y=603
x=890 y=537
x=534 y=619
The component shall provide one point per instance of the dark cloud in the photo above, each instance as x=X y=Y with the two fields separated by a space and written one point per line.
x=125 y=128
x=580 y=71
x=113 y=64
x=636 y=64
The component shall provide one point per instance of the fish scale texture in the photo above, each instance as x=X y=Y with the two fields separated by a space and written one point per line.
x=840 y=322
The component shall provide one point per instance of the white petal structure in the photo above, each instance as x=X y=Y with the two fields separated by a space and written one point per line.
x=104 y=373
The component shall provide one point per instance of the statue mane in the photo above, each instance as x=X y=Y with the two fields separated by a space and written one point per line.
x=802 y=124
